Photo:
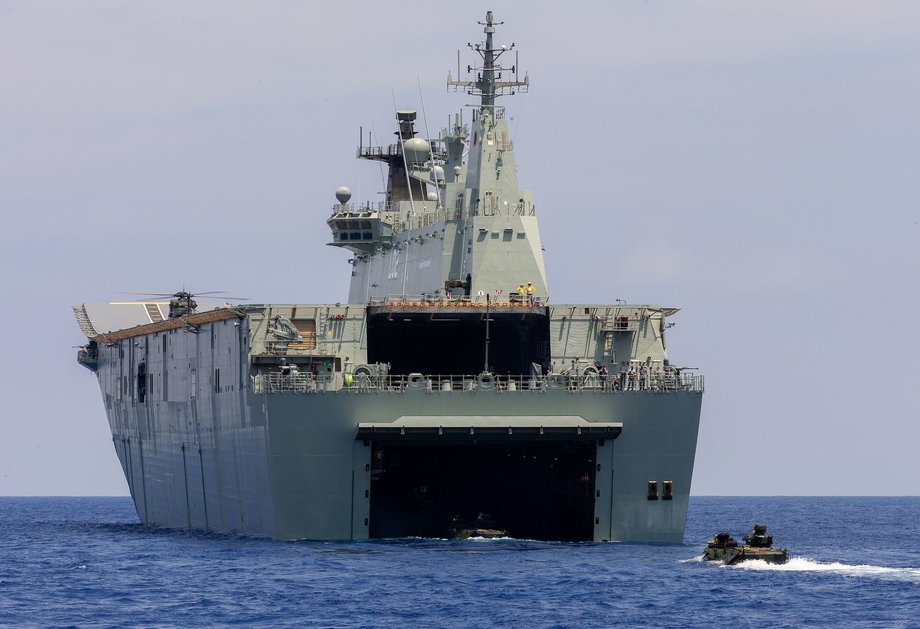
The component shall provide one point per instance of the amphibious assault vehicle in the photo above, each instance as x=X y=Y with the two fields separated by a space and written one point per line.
x=757 y=545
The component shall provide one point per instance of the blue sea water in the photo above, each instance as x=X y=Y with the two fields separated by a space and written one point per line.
x=88 y=562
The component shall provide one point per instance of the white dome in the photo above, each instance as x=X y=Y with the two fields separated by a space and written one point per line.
x=416 y=150
x=343 y=194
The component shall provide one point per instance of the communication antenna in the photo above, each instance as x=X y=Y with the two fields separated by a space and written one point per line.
x=370 y=143
x=488 y=83
x=485 y=367
x=402 y=146
x=421 y=99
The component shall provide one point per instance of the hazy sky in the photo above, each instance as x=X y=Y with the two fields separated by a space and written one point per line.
x=754 y=163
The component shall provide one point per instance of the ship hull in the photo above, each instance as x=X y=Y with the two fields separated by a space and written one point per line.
x=300 y=466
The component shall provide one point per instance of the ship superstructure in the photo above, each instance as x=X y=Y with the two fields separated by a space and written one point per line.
x=454 y=221
x=447 y=390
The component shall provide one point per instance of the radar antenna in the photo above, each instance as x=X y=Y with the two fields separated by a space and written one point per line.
x=489 y=83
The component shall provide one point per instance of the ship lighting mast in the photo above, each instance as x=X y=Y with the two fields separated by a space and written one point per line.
x=488 y=83
x=490 y=200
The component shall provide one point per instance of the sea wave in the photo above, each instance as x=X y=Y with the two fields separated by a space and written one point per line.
x=804 y=564
x=87 y=562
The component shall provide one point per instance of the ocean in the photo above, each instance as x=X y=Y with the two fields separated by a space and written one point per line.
x=87 y=562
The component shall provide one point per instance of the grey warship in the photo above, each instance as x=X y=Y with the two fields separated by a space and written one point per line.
x=448 y=385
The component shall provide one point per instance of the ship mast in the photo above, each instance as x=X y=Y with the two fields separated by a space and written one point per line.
x=498 y=244
x=488 y=84
x=439 y=237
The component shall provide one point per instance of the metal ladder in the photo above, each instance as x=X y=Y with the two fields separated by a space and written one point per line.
x=82 y=317
x=153 y=311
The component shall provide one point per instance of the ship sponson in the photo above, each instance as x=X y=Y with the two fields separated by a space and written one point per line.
x=195 y=319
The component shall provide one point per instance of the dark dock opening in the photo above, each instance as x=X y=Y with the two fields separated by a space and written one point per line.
x=452 y=341
x=532 y=490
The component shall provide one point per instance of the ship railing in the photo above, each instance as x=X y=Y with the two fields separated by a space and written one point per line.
x=391 y=208
x=423 y=218
x=656 y=382
x=426 y=212
x=511 y=300
x=296 y=382
x=393 y=150
x=393 y=300
x=307 y=382
x=496 y=207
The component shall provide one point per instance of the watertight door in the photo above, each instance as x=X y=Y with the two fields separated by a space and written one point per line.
x=361 y=490
x=603 y=492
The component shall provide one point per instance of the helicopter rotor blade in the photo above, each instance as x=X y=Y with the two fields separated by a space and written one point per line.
x=146 y=294
x=183 y=292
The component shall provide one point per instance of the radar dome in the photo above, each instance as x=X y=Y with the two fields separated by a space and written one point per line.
x=416 y=150
x=437 y=175
x=343 y=194
x=432 y=196
x=457 y=171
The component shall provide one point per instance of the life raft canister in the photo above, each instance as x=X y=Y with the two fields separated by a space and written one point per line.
x=485 y=381
x=556 y=381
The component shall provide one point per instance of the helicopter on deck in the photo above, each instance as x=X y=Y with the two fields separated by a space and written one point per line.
x=183 y=302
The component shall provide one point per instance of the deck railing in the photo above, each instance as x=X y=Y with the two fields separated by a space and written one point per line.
x=305 y=382
x=512 y=300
